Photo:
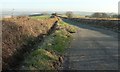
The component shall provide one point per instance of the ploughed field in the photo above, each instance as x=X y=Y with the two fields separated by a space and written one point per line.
x=111 y=24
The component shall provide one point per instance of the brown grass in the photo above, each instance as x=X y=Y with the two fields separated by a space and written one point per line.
x=17 y=31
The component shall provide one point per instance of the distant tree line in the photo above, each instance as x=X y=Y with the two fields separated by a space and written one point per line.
x=116 y=16
x=104 y=15
x=100 y=15
x=69 y=14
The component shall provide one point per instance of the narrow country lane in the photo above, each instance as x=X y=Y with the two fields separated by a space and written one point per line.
x=92 y=49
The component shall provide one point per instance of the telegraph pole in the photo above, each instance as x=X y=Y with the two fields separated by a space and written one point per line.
x=13 y=11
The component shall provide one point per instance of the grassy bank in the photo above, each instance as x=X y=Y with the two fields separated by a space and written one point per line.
x=18 y=32
x=49 y=55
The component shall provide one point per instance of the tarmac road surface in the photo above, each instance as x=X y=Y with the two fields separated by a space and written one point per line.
x=92 y=49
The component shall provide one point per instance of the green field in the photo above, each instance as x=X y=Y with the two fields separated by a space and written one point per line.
x=41 y=17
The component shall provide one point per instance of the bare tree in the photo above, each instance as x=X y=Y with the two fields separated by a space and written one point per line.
x=69 y=14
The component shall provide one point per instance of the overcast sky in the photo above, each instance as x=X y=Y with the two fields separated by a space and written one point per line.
x=62 y=5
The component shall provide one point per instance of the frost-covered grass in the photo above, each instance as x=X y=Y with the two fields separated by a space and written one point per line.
x=47 y=55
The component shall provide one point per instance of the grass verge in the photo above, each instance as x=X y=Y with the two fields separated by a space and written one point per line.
x=48 y=56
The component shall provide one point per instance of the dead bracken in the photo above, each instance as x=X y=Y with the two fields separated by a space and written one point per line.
x=18 y=31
